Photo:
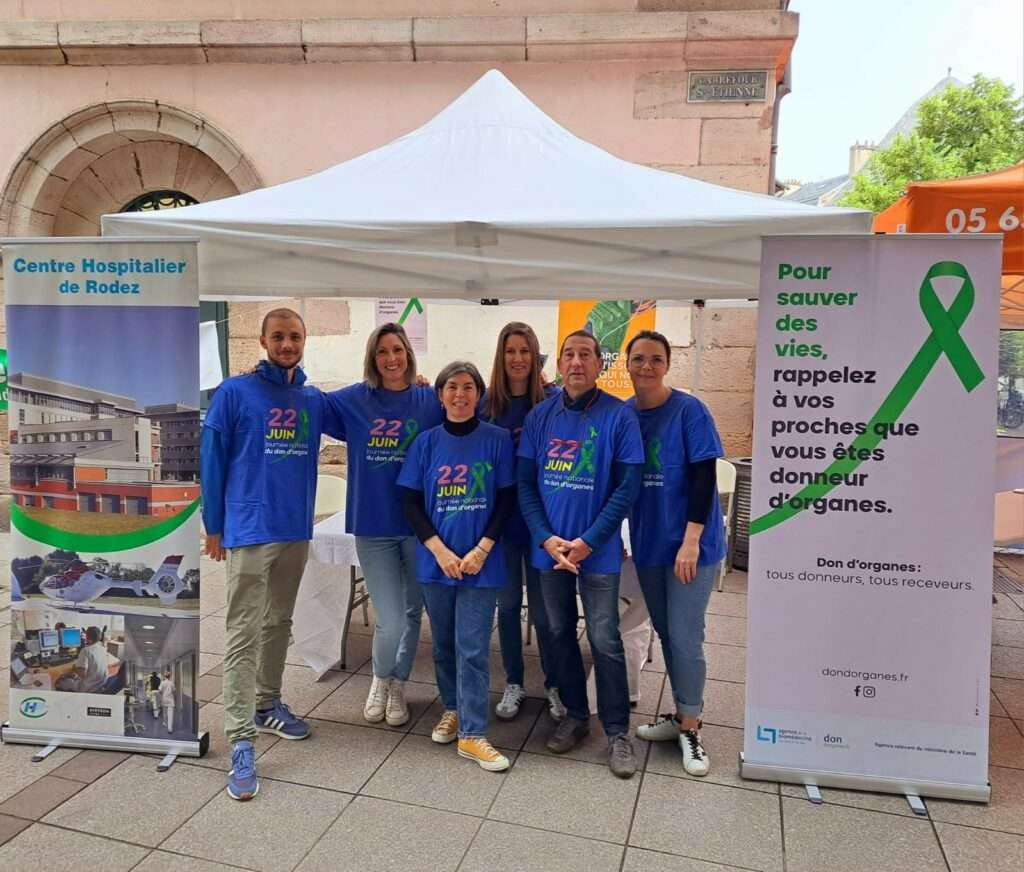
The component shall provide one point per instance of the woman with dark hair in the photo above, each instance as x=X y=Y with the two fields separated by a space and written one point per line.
x=458 y=487
x=677 y=535
x=517 y=385
x=381 y=417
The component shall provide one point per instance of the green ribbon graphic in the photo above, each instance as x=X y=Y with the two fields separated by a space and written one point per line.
x=586 y=461
x=412 y=427
x=654 y=455
x=479 y=471
x=945 y=339
x=413 y=303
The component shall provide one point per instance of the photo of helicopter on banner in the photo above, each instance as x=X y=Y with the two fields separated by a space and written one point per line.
x=104 y=445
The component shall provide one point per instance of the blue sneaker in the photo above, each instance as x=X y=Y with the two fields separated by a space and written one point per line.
x=242 y=783
x=280 y=721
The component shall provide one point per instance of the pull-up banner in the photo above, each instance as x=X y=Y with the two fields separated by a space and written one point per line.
x=869 y=613
x=104 y=444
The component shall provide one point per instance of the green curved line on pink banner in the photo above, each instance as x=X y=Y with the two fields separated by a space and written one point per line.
x=93 y=543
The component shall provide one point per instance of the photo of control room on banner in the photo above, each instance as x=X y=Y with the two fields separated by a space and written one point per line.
x=104 y=459
x=100 y=672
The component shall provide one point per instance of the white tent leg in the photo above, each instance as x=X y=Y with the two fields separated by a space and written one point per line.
x=698 y=343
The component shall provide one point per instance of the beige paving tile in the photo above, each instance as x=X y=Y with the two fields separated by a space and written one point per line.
x=211 y=719
x=533 y=675
x=651 y=683
x=43 y=847
x=1005 y=812
x=40 y=797
x=723 y=703
x=358 y=651
x=995 y=707
x=520 y=849
x=723 y=745
x=968 y=850
x=1005 y=744
x=726 y=662
x=593 y=748
x=210 y=662
x=336 y=756
x=725 y=630
x=87 y=766
x=1010 y=692
x=567 y=796
x=502 y=734
x=17 y=770
x=638 y=860
x=889 y=803
x=745 y=832
x=1004 y=608
x=212 y=635
x=303 y=693
x=735 y=582
x=272 y=832
x=857 y=840
x=165 y=861
x=425 y=773
x=1007 y=662
x=728 y=603
x=1008 y=633
x=209 y=687
x=11 y=826
x=159 y=802
x=346 y=703
x=373 y=835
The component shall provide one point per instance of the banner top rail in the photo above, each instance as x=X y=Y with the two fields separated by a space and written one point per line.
x=89 y=240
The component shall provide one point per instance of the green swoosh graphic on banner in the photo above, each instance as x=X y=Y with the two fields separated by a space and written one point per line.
x=97 y=543
x=945 y=339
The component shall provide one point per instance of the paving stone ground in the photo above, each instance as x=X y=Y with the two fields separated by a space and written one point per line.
x=371 y=797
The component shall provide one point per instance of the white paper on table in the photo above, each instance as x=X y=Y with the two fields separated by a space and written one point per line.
x=210 y=372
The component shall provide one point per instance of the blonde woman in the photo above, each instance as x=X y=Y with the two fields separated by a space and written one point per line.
x=381 y=417
x=517 y=385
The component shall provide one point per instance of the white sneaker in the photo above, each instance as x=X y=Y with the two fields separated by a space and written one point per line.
x=397 y=711
x=511 y=700
x=555 y=707
x=664 y=729
x=377 y=700
x=695 y=758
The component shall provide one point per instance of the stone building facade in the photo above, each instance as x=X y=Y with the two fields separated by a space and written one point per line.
x=107 y=101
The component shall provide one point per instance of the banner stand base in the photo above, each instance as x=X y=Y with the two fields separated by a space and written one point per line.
x=873 y=783
x=130 y=744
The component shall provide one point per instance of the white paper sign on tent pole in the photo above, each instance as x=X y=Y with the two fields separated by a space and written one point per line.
x=411 y=313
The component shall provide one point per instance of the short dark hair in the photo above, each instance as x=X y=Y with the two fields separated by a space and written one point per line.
x=459 y=367
x=654 y=336
x=586 y=334
x=92 y=635
x=281 y=313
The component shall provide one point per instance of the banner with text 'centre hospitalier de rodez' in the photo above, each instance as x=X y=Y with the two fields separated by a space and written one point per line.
x=104 y=452
x=869 y=614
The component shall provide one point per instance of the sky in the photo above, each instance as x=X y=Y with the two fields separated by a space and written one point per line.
x=144 y=352
x=858 y=66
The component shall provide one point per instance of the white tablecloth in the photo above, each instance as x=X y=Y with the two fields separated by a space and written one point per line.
x=324 y=595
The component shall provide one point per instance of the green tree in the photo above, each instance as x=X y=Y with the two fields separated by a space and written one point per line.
x=963 y=131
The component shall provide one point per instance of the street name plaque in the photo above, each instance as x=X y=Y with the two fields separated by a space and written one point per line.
x=728 y=86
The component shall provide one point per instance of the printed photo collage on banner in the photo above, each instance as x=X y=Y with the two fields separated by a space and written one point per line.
x=104 y=446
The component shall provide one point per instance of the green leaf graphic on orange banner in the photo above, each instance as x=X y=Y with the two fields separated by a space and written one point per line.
x=93 y=543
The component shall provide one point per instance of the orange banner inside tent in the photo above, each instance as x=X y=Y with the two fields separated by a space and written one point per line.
x=989 y=203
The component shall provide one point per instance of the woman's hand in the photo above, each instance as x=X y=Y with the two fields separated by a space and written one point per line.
x=474 y=561
x=447 y=559
x=686 y=560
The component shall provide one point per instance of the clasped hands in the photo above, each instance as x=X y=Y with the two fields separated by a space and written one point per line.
x=567 y=554
x=454 y=566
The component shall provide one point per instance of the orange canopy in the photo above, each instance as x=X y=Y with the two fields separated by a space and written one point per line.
x=989 y=203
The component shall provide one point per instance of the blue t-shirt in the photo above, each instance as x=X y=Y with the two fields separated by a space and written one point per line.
x=574 y=453
x=379 y=427
x=460 y=477
x=271 y=430
x=678 y=432
x=516 y=531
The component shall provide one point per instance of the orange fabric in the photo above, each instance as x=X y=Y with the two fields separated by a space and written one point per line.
x=893 y=219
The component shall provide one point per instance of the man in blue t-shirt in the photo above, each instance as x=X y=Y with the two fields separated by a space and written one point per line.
x=580 y=462
x=259 y=453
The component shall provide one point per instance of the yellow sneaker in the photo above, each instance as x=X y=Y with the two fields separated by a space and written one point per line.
x=447 y=729
x=479 y=749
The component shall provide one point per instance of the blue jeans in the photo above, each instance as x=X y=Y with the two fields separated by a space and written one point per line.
x=389 y=567
x=677 y=612
x=510 y=630
x=461 y=618
x=600 y=595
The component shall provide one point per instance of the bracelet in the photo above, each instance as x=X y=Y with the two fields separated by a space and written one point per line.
x=479 y=548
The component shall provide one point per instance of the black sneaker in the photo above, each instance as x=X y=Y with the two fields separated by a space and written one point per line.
x=567 y=735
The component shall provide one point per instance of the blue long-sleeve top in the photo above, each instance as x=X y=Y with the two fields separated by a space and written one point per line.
x=627 y=479
x=213 y=472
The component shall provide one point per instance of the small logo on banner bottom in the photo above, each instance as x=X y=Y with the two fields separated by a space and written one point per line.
x=34 y=707
x=98 y=712
x=776 y=735
x=767 y=734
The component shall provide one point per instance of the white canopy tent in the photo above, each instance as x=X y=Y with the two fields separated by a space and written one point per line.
x=491 y=198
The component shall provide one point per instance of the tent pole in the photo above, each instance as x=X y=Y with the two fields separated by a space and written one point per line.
x=698 y=342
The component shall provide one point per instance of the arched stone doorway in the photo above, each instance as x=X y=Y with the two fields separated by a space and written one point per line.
x=103 y=157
